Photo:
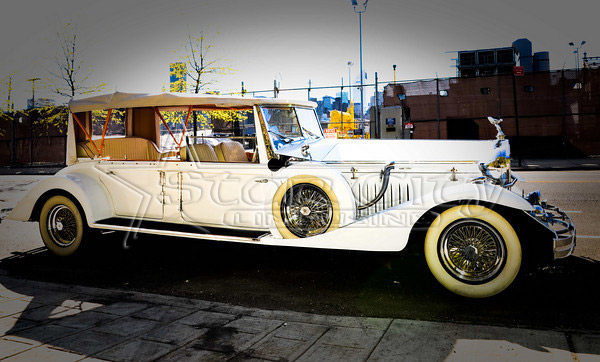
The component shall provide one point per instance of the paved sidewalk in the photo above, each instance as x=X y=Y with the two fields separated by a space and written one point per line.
x=45 y=321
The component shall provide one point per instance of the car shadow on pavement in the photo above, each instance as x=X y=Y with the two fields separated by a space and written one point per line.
x=341 y=283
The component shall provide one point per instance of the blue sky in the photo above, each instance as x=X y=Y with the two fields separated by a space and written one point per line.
x=130 y=43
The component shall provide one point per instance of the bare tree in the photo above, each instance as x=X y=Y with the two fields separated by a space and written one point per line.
x=71 y=78
x=199 y=64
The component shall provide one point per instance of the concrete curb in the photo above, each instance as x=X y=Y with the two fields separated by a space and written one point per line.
x=40 y=320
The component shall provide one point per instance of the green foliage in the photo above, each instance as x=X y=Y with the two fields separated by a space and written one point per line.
x=116 y=124
x=204 y=119
x=48 y=118
x=200 y=68
x=178 y=71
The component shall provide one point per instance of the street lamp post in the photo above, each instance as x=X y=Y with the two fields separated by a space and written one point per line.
x=360 y=12
x=576 y=52
x=350 y=63
x=33 y=80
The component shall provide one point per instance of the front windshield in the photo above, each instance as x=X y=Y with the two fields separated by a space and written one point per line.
x=288 y=124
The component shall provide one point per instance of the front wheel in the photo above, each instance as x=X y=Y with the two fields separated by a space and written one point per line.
x=61 y=225
x=473 y=251
x=305 y=206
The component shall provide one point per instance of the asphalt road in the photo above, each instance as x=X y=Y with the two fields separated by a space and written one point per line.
x=562 y=296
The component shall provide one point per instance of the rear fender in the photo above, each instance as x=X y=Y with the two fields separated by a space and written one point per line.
x=82 y=188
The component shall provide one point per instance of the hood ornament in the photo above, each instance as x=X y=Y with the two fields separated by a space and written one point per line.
x=496 y=122
x=305 y=152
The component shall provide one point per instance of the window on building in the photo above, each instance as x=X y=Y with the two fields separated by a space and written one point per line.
x=466 y=58
x=486 y=90
x=486 y=57
x=505 y=56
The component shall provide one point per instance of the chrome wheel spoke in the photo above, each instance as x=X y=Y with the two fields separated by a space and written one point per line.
x=62 y=225
x=472 y=251
x=306 y=210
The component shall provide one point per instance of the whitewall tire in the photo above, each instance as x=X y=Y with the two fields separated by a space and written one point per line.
x=61 y=225
x=473 y=251
x=305 y=206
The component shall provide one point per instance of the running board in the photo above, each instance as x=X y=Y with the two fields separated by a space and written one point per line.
x=183 y=234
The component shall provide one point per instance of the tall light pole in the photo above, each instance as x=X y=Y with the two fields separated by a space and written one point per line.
x=360 y=12
x=350 y=63
x=576 y=52
x=33 y=80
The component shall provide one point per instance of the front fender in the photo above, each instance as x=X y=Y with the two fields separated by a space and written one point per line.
x=84 y=188
x=471 y=191
x=389 y=230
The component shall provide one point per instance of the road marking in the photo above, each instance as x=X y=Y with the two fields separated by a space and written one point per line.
x=587 y=237
x=574 y=212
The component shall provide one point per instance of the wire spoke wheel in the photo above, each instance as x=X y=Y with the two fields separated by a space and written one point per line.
x=306 y=210
x=472 y=251
x=62 y=225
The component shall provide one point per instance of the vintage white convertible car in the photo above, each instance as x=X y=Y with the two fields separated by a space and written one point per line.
x=276 y=180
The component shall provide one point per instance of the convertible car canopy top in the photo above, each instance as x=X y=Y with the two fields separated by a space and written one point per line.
x=133 y=100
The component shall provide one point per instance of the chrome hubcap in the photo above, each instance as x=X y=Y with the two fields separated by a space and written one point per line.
x=306 y=210
x=472 y=251
x=62 y=225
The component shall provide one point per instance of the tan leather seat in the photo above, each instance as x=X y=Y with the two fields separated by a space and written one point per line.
x=231 y=151
x=201 y=152
x=123 y=148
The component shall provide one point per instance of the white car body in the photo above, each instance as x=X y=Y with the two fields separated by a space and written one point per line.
x=237 y=201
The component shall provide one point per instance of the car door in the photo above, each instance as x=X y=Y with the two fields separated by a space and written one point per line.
x=136 y=188
x=226 y=194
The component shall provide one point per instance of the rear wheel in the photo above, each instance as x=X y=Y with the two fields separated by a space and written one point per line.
x=473 y=251
x=62 y=226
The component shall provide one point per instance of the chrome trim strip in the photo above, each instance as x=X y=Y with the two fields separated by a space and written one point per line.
x=178 y=233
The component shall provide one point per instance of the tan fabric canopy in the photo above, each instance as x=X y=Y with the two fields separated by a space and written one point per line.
x=133 y=100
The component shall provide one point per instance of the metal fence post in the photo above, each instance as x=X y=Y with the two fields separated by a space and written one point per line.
x=12 y=139
x=31 y=116
x=564 y=111
x=376 y=129
x=437 y=106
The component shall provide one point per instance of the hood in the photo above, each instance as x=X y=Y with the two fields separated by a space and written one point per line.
x=383 y=151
